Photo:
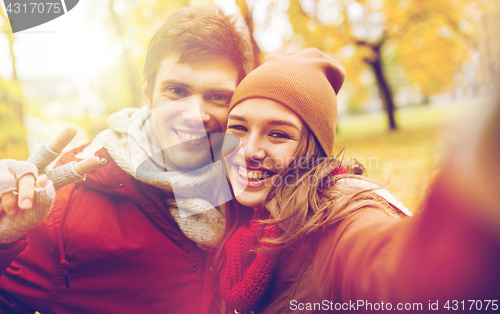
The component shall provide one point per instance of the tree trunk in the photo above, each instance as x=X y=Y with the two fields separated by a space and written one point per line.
x=134 y=86
x=383 y=86
x=247 y=15
x=17 y=105
x=426 y=100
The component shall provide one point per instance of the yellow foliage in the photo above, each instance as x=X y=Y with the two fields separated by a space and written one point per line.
x=12 y=130
x=486 y=15
x=119 y=83
x=425 y=35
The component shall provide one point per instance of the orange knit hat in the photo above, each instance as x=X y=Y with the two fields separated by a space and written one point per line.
x=305 y=81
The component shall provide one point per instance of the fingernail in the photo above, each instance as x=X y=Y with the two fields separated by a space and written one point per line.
x=26 y=203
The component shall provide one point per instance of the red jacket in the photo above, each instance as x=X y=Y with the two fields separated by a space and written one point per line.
x=120 y=247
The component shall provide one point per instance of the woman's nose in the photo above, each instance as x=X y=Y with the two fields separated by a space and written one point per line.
x=253 y=150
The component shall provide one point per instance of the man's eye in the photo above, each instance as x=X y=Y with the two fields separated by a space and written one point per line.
x=177 y=91
x=220 y=99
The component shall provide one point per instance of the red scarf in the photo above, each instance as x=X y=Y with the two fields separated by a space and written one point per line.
x=246 y=274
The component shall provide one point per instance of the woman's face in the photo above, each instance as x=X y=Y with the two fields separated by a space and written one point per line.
x=269 y=133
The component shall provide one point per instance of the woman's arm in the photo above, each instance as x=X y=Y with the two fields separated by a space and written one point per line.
x=449 y=251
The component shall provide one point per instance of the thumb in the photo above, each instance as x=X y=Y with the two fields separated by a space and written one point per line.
x=72 y=172
x=41 y=182
x=86 y=165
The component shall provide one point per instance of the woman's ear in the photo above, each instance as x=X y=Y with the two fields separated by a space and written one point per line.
x=145 y=93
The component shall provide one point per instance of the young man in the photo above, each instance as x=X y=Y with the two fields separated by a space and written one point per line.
x=118 y=241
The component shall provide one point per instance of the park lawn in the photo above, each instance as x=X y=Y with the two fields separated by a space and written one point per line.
x=405 y=160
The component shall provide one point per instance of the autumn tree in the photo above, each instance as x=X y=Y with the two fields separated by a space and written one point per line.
x=129 y=25
x=13 y=133
x=486 y=14
x=130 y=71
x=423 y=37
x=246 y=14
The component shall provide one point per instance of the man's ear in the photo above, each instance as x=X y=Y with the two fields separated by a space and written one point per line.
x=145 y=93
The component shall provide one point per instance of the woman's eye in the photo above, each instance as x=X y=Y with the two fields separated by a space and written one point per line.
x=279 y=135
x=237 y=128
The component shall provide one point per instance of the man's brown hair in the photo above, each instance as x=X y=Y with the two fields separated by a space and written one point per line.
x=196 y=34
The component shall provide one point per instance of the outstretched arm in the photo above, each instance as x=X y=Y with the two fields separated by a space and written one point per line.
x=449 y=251
x=27 y=189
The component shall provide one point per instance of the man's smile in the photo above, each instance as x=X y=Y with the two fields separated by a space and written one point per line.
x=190 y=135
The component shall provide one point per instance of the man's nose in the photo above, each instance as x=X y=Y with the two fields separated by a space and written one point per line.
x=195 y=111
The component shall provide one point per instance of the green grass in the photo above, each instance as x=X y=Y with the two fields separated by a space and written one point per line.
x=407 y=159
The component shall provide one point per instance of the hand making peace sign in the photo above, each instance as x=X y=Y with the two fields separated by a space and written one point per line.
x=27 y=189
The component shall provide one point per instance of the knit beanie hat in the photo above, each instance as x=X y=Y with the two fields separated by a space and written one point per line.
x=306 y=81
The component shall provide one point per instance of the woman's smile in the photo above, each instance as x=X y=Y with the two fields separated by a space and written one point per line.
x=253 y=178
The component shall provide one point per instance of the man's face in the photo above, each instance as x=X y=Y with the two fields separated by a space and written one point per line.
x=189 y=101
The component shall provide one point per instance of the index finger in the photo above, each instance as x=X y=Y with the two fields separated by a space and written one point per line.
x=62 y=139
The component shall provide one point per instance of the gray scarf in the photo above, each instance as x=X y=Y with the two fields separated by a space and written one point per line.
x=197 y=192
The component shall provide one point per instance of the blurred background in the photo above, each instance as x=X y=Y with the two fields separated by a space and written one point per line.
x=413 y=67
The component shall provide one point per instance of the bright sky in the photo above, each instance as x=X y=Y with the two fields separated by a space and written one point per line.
x=66 y=47
x=69 y=47
x=74 y=46
x=269 y=36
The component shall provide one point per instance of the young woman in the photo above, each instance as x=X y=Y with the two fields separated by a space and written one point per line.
x=321 y=239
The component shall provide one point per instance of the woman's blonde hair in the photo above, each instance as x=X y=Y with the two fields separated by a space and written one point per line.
x=310 y=201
